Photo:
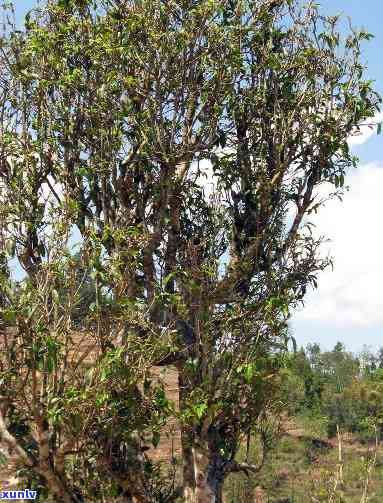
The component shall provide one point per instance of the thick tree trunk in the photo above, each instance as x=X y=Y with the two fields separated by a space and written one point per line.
x=56 y=486
x=203 y=469
x=209 y=477
x=203 y=474
x=189 y=482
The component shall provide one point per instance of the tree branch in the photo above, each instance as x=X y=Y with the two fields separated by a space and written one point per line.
x=13 y=444
x=234 y=467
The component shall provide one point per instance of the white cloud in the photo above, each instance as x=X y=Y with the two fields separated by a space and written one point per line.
x=351 y=295
x=365 y=131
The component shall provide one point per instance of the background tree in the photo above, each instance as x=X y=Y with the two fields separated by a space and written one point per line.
x=368 y=361
x=123 y=105
x=337 y=388
x=340 y=367
x=380 y=358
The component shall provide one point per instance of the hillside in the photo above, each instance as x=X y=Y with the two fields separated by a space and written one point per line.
x=303 y=465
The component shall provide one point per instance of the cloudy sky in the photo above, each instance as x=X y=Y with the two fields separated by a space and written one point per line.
x=348 y=305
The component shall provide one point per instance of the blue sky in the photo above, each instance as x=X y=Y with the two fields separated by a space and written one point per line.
x=348 y=305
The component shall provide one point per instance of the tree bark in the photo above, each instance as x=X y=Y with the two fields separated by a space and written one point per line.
x=209 y=477
x=189 y=482
x=56 y=486
x=203 y=468
x=203 y=476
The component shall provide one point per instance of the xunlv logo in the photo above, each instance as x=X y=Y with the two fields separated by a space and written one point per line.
x=26 y=494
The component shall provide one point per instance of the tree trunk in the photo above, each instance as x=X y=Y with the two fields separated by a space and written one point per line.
x=203 y=468
x=209 y=477
x=189 y=482
x=56 y=486
x=203 y=474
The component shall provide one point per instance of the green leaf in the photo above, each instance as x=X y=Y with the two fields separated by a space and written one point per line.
x=55 y=296
x=11 y=247
x=249 y=371
x=168 y=278
x=379 y=128
x=93 y=307
x=147 y=384
x=156 y=437
x=3 y=459
x=9 y=315
x=200 y=409
x=160 y=399
x=50 y=364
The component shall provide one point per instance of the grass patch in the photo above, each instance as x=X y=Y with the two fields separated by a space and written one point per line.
x=301 y=468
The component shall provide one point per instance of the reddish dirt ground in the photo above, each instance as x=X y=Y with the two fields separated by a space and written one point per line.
x=170 y=443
